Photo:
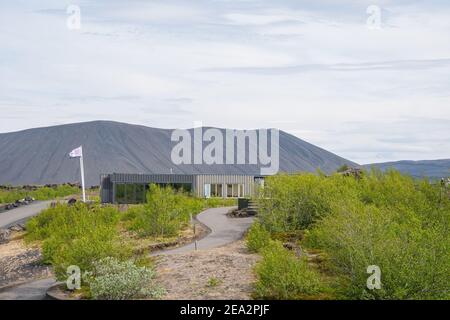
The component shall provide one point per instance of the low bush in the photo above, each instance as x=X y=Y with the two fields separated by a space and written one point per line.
x=77 y=235
x=385 y=219
x=112 y=279
x=294 y=202
x=414 y=260
x=165 y=212
x=281 y=275
x=257 y=237
x=219 y=202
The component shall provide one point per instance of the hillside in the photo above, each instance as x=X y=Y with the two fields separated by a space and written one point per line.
x=40 y=156
x=434 y=169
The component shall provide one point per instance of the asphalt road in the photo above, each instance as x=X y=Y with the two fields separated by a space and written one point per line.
x=21 y=214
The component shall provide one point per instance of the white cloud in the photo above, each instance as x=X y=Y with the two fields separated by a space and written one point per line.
x=311 y=68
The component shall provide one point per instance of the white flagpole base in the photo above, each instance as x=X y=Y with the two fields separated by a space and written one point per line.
x=82 y=178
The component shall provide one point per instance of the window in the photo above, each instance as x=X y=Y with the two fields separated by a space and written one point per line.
x=241 y=190
x=235 y=190
x=120 y=193
x=216 y=190
x=207 y=190
x=140 y=193
x=130 y=193
x=229 y=190
x=182 y=187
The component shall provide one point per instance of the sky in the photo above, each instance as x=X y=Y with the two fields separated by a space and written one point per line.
x=369 y=87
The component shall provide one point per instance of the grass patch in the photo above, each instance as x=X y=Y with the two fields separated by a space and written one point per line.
x=214 y=282
x=41 y=193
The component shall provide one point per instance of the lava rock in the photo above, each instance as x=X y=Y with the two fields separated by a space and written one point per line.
x=4 y=235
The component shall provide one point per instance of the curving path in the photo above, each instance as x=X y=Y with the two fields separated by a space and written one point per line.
x=224 y=230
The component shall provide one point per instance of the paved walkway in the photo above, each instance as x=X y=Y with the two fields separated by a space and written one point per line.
x=22 y=213
x=224 y=230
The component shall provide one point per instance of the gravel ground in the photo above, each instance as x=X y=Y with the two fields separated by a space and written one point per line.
x=220 y=273
x=20 y=263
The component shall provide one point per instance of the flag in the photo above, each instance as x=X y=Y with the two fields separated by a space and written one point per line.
x=76 y=153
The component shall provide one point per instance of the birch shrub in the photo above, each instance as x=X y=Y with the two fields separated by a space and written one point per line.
x=414 y=259
x=281 y=275
x=386 y=219
x=77 y=235
x=257 y=237
x=165 y=212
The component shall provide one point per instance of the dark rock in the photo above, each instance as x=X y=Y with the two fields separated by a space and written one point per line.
x=17 y=227
x=293 y=247
x=4 y=235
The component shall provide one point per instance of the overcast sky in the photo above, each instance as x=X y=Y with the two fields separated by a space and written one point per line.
x=312 y=68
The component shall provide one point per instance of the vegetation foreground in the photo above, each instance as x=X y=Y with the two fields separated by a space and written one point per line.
x=106 y=244
x=319 y=235
x=11 y=195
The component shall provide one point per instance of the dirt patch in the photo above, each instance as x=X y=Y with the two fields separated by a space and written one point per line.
x=20 y=263
x=219 y=273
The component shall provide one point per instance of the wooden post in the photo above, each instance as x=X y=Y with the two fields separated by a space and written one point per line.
x=195 y=235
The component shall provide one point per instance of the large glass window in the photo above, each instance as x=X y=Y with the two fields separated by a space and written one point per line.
x=185 y=187
x=229 y=190
x=120 y=193
x=235 y=190
x=130 y=193
x=216 y=190
x=140 y=193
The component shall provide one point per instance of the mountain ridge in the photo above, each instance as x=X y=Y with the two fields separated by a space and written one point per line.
x=40 y=155
x=434 y=169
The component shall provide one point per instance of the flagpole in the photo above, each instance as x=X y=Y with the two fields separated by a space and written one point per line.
x=82 y=177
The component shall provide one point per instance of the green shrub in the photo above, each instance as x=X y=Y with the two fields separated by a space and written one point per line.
x=385 y=219
x=294 y=202
x=112 y=279
x=414 y=261
x=257 y=237
x=77 y=235
x=165 y=212
x=281 y=275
